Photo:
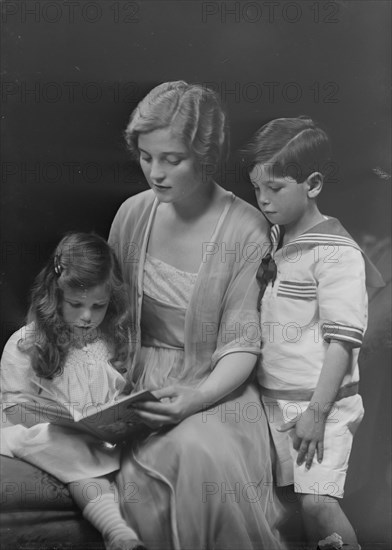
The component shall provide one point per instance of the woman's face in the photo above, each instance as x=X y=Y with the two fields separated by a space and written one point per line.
x=169 y=167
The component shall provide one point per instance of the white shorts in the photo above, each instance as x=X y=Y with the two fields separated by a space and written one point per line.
x=327 y=478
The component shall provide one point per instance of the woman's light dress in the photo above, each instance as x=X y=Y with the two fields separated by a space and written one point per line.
x=205 y=483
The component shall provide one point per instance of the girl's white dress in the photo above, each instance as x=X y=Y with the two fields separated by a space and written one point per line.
x=87 y=378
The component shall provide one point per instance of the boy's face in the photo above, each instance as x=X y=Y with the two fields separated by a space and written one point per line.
x=281 y=199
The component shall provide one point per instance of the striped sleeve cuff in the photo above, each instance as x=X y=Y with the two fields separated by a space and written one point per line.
x=345 y=333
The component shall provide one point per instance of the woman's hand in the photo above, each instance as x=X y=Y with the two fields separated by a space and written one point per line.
x=175 y=404
x=179 y=402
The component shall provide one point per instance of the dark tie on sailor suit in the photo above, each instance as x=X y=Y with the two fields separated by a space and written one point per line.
x=267 y=269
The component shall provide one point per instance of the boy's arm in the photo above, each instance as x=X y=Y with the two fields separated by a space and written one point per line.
x=308 y=436
x=336 y=363
x=343 y=313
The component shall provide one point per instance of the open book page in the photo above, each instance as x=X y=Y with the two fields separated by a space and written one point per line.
x=112 y=422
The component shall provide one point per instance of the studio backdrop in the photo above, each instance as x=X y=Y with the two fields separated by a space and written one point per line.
x=73 y=71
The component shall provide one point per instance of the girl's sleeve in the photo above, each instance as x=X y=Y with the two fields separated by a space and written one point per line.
x=16 y=373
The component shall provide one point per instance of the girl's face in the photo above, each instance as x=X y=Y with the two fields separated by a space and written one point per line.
x=84 y=310
x=170 y=169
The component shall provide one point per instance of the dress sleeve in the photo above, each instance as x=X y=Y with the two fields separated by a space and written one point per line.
x=239 y=323
x=114 y=228
x=342 y=296
x=239 y=327
x=128 y=224
x=16 y=372
x=115 y=234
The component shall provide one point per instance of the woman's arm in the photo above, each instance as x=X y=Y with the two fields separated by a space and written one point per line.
x=231 y=371
x=179 y=402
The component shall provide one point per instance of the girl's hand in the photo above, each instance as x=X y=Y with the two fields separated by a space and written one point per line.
x=308 y=436
x=176 y=403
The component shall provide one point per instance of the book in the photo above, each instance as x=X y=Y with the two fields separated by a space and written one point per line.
x=111 y=422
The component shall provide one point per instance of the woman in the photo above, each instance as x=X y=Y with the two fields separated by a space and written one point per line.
x=190 y=251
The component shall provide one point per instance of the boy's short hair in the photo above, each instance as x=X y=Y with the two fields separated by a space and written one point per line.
x=293 y=147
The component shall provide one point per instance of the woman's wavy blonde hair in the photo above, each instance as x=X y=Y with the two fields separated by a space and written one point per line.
x=192 y=111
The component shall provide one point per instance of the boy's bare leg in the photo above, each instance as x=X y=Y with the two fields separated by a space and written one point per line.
x=323 y=516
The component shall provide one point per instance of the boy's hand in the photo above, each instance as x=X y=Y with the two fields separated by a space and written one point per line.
x=308 y=437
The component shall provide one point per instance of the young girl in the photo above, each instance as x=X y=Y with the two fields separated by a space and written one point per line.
x=75 y=343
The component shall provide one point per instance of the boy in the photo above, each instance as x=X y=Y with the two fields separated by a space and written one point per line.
x=313 y=317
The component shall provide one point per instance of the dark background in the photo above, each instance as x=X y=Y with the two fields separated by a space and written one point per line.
x=73 y=72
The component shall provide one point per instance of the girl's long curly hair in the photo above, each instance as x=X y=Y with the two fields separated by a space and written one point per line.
x=80 y=260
